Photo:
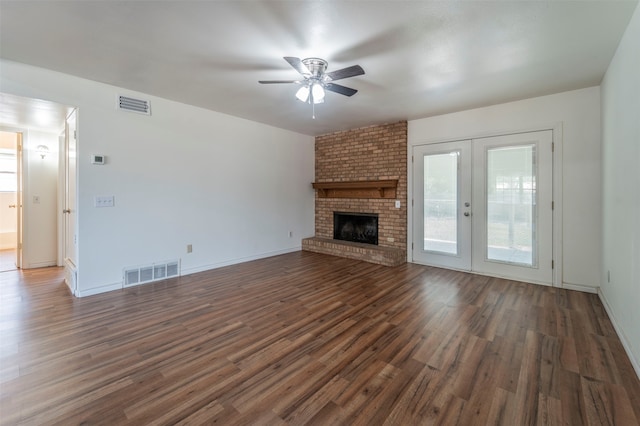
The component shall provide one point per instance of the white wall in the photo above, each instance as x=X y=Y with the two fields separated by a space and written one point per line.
x=621 y=189
x=184 y=175
x=578 y=115
x=40 y=180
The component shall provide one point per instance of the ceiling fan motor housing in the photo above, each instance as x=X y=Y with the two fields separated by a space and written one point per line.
x=316 y=66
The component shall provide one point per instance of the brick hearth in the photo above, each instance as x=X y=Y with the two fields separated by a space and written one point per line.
x=387 y=256
x=375 y=153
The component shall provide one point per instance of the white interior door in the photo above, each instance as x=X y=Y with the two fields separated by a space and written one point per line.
x=485 y=205
x=442 y=205
x=69 y=211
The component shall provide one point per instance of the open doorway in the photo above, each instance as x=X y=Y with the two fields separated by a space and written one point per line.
x=9 y=200
x=30 y=189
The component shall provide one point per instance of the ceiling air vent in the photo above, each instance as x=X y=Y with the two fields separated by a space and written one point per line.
x=134 y=105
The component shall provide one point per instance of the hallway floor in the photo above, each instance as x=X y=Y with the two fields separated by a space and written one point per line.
x=7 y=260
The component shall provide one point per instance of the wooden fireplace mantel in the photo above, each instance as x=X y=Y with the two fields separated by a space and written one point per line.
x=357 y=189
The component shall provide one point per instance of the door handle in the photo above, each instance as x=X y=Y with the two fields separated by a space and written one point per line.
x=66 y=211
x=12 y=206
x=467 y=214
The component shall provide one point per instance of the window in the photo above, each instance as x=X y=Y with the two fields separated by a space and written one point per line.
x=8 y=171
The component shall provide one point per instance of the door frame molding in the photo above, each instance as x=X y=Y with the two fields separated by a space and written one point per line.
x=70 y=265
x=61 y=201
x=557 y=134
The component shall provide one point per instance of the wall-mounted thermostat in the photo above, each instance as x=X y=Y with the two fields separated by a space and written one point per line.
x=98 y=159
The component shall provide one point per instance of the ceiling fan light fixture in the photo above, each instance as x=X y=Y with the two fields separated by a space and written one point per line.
x=317 y=92
x=303 y=94
x=316 y=81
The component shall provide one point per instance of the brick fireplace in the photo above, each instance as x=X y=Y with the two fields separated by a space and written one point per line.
x=362 y=171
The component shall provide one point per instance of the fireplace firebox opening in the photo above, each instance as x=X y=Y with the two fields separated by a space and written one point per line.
x=356 y=227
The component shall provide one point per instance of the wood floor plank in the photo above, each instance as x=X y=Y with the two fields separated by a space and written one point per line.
x=509 y=355
x=306 y=338
x=502 y=409
x=573 y=403
x=549 y=411
x=529 y=381
x=607 y=403
x=304 y=410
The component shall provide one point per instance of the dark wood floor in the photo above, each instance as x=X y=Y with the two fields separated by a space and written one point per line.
x=307 y=338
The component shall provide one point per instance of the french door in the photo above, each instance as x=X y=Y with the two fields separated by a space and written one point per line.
x=485 y=205
x=442 y=205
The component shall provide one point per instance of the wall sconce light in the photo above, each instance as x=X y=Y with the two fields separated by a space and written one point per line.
x=43 y=150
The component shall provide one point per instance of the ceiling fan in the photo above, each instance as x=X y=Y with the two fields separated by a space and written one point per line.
x=316 y=81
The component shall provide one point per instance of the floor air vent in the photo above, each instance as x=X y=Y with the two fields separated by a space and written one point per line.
x=149 y=273
x=134 y=105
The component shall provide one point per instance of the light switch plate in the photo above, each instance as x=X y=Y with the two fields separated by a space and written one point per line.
x=104 y=201
x=397 y=204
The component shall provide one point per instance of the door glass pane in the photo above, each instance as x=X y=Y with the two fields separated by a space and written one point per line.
x=511 y=205
x=441 y=202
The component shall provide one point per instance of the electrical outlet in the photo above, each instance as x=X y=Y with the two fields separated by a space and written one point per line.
x=189 y=248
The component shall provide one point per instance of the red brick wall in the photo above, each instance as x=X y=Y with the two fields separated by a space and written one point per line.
x=368 y=153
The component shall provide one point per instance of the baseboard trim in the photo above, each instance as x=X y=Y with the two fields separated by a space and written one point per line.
x=623 y=337
x=195 y=270
x=101 y=289
x=44 y=264
x=71 y=276
x=578 y=287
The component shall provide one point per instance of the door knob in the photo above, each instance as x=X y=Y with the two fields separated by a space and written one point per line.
x=66 y=211
x=467 y=204
x=467 y=214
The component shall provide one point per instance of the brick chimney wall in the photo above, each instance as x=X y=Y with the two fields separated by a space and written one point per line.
x=368 y=153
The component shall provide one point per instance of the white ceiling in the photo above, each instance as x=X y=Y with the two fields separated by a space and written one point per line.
x=421 y=58
x=17 y=112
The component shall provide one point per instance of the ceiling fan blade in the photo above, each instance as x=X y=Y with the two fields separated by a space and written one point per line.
x=297 y=64
x=343 y=90
x=351 y=71
x=278 y=81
